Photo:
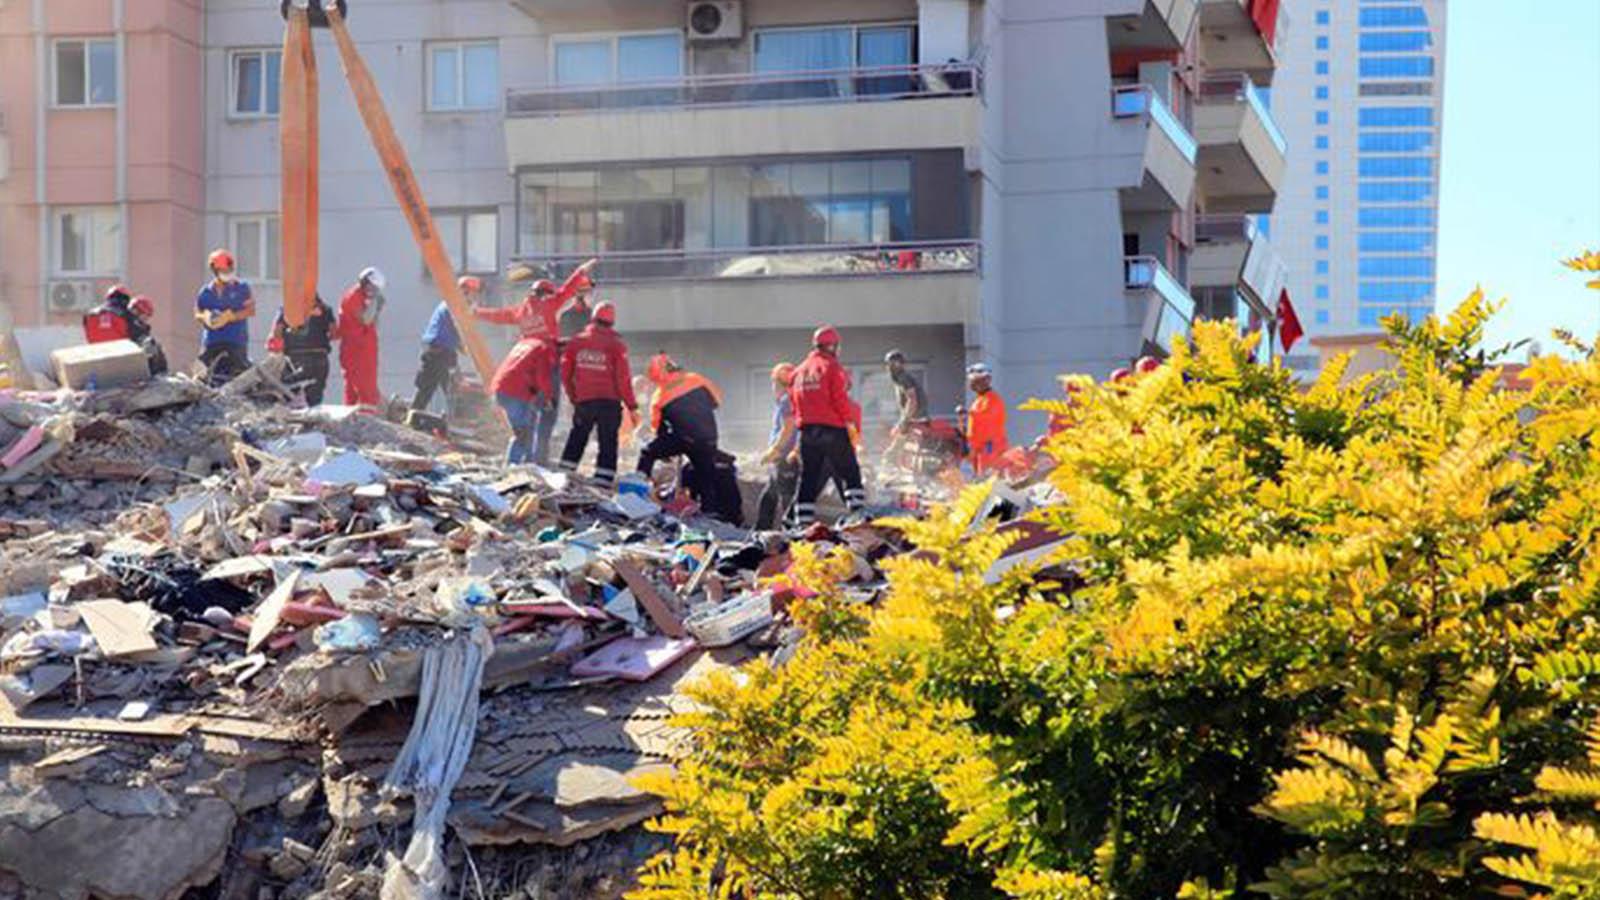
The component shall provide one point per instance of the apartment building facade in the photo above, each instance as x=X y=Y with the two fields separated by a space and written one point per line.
x=1050 y=186
x=1361 y=93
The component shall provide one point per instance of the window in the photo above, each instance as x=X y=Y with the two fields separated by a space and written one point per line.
x=1395 y=217
x=471 y=237
x=257 y=246
x=1396 y=242
x=1322 y=317
x=1322 y=117
x=1395 y=191
x=1396 y=117
x=1395 y=41
x=86 y=73
x=1394 y=17
x=1322 y=192
x=1395 y=141
x=836 y=47
x=1322 y=142
x=1396 y=167
x=1322 y=242
x=1396 y=66
x=463 y=76
x=1397 y=89
x=1322 y=267
x=255 y=75
x=1322 y=292
x=608 y=59
x=1322 y=217
x=1322 y=92
x=1322 y=42
x=86 y=241
x=1263 y=225
x=1322 y=67
x=1322 y=167
x=1322 y=17
x=1396 y=267
x=1395 y=291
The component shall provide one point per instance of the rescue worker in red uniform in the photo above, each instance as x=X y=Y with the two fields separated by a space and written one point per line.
x=594 y=371
x=358 y=338
x=683 y=416
x=123 y=317
x=521 y=385
x=986 y=421
x=824 y=412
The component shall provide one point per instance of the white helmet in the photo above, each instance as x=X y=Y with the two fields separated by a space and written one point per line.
x=979 y=370
x=372 y=276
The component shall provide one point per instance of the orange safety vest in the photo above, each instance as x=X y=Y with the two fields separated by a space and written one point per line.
x=670 y=387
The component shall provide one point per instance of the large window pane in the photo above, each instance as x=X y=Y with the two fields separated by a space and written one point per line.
x=446 y=89
x=482 y=239
x=102 y=72
x=449 y=226
x=803 y=50
x=884 y=46
x=649 y=57
x=105 y=243
x=274 y=77
x=247 y=244
x=70 y=87
x=247 y=83
x=72 y=243
x=583 y=62
x=274 y=249
x=481 y=73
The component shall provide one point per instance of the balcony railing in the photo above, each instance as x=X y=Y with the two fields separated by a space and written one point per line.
x=1236 y=87
x=1224 y=229
x=753 y=89
x=1140 y=100
x=1174 y=315
x=829 y=260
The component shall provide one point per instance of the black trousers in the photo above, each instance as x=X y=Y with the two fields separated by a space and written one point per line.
x=826 y=450
x=606 y=416
x=702 y=456
x=309 y=368
x=777 y=495
x=224 y=361
x=438 y=369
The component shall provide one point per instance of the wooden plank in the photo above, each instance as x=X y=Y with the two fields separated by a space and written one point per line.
x=121 y=629
x=655 y=605
x=270 y=611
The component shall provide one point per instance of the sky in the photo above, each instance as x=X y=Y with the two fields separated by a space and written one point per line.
x=1520 y=182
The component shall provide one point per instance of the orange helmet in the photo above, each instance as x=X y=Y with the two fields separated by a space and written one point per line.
x=469 y=284
x=142 y=306
x=605 y=313
x=783 y=373
x=220 y=260
x=661 y=365
x=825 y=336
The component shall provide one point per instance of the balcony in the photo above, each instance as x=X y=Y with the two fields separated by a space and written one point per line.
x=747 y=114
x=1242 y=152
x=903 y=283
x=1166 y=151
x=1242 y=35
x=1169 y=309
x=1161 y=25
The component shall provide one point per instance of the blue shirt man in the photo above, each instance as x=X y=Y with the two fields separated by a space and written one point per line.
x=441 y=332
x=226 y=296
x=223 y=309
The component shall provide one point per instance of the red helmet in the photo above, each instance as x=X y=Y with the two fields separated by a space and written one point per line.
x=1120 y=375
x=605 y=313
x=826 y=336
x=142 y=306
x=1146 y=365
x=117 y=290
x=661 y=365
x=220 y=260
x=783 y=373
x=542 y=286
x=469 y=284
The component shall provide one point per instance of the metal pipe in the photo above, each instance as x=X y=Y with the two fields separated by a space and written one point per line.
x=42 y=99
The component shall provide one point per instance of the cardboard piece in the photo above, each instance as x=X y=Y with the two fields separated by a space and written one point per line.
x=271 y=610
x=346 y=467
x=109 y=364
x=121 y=629
x=633 y=659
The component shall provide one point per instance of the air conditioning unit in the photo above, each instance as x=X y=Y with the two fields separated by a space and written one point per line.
x=74 y=295
x=715 y=20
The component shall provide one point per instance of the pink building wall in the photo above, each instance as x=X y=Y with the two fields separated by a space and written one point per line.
x=162 y=95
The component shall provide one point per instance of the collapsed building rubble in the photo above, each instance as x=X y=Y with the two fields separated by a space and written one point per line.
x=287 y=652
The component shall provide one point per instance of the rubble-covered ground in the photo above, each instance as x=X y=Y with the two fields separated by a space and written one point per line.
x=248 y=651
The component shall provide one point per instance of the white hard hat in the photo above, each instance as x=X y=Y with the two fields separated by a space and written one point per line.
x=372 y=276
x=978 y=370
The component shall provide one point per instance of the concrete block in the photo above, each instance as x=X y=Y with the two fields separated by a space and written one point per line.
x=109 y=364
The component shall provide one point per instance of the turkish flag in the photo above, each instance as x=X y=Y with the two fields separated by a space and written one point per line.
x=1289 y=328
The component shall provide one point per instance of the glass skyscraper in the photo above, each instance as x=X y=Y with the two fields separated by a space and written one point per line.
x=1360 y=95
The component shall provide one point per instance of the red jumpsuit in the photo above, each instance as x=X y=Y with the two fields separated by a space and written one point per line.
x=986 y=431
x=358 y=350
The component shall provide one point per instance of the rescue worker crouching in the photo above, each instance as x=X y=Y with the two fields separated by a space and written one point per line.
x=522 y=385
x=683 y=416
x=595 y=374
x=125 y=317
x=825 y=413
x=441 y=347
x=307 y=348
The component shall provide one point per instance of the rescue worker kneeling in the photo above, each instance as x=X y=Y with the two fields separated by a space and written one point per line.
x=684 y=418
x=594 y=371
x=824 y=412
x=521 y=386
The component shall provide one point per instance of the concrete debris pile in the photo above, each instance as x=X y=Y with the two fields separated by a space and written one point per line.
x=313 y=653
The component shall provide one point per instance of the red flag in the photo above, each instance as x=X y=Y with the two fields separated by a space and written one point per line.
x=1289 y=329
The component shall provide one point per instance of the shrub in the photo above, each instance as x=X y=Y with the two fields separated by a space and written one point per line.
x=1337 y=642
